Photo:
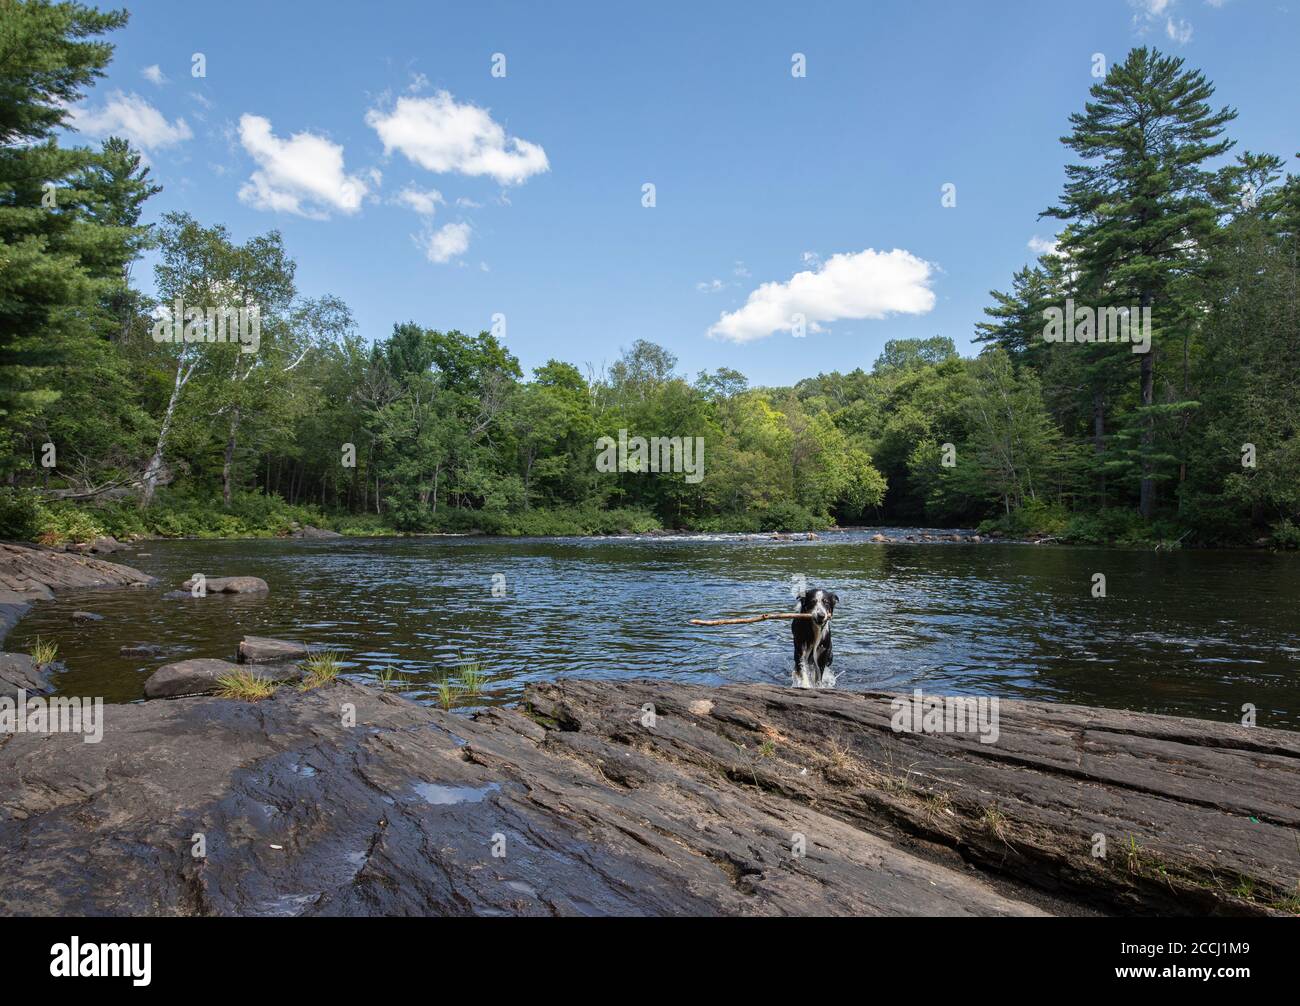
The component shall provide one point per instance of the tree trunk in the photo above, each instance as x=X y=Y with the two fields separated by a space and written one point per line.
x=230 y=458
x=1147 y=498
x=1099 y=434
x=149 y=483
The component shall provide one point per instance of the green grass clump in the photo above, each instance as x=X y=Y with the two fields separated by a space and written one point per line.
x=43 y=652
x=245 y=685
x=473 y=676
x=447 y=693
x=320 y=668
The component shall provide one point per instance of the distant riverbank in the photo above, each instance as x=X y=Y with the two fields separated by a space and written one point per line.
x=24 y=517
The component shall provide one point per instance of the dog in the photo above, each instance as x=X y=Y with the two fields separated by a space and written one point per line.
x=812 y=639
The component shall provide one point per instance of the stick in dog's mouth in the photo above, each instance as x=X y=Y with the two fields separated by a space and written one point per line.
x=752 y=618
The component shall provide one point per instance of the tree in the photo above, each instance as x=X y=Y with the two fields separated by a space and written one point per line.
x=52 y=283
x=1143 y=208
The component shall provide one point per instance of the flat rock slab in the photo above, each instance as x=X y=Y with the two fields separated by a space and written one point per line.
x=642 y=798
x=265 y=650
x=200 y=676
x=27 y=569
x=351 y=801
x=230 y=585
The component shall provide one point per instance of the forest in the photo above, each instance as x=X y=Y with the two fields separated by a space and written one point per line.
x=109 y=429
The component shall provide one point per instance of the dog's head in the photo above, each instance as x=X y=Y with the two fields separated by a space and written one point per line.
x=818 y=603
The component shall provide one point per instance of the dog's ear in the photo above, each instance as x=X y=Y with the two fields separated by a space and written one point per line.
x=834 y=599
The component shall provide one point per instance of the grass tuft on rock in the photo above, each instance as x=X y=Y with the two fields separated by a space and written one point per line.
x=320 y=669
x=43 y=652
x=245 y=685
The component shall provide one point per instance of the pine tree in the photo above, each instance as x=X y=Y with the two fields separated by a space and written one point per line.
x=1143 y=207
x=50 y=294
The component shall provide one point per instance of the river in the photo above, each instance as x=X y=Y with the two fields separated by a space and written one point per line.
x=1193 y=633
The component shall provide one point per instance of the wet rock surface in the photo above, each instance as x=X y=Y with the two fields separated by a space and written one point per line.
x=747 y=800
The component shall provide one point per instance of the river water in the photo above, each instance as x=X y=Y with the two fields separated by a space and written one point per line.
x=1194 y=633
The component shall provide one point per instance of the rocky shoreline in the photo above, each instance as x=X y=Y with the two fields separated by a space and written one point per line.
x=643 y=798
x=632 y=797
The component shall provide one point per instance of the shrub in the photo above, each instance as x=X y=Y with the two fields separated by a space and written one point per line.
x=1286 y=534
x=790 y=517
x=20 y=514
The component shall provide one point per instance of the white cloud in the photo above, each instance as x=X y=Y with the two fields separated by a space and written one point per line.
x=154 y=74
x=447 y=242
x=1043 y=246
x=866 y=284
x=740 y=270
x=423 y=201
x=1152 y=13
x=130 y=116
x=441 y=135
x=303 y=174
x=712 y=286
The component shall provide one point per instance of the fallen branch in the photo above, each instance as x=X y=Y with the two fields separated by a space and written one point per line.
x=750 y=618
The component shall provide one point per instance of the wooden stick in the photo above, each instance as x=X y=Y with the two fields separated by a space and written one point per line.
x=751 y=618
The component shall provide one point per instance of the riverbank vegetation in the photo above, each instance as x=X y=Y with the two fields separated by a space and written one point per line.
x=108 y=430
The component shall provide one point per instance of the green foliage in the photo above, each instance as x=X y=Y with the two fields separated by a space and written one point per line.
x=790 y=517
x=423 y=430
x=1286 y=534
x=20 y=515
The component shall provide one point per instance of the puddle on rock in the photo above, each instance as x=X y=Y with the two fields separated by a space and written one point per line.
x=441 y=795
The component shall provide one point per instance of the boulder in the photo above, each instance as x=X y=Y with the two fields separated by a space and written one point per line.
x=86 y=616
x=105 y=546
x=199 y=676
x=879 y=537
x=264 y=650
x=229 y=585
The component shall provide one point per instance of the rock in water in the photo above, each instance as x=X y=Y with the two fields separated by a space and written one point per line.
x=228 y=585
x=264 y=650
x=314 y=532
x=200 y=675
x=141 y=650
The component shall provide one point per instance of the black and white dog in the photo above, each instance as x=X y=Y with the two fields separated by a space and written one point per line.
x=812 y=639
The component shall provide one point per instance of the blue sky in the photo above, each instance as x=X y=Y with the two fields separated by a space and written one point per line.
x=315 y=118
